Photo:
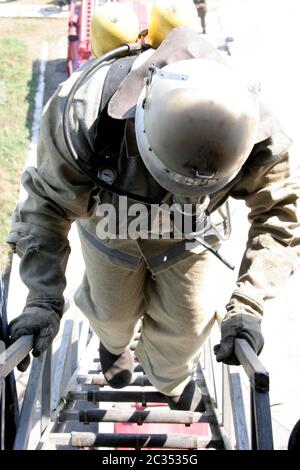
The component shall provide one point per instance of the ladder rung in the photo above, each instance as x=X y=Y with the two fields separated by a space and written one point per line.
x=137 y=368
x=140 y=380
x=134 y=416
x=117 y=396
x=135 y=441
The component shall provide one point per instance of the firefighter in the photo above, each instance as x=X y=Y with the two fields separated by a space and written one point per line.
x=201 y=9
x=171 y=132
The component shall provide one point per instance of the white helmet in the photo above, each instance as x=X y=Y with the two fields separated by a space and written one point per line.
x=196 y=124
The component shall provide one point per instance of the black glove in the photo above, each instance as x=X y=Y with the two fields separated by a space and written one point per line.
x=241 y=325
x=41 y=320
x=42 y=269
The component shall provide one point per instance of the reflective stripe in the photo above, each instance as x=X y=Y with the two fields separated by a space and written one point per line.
x=134 y=261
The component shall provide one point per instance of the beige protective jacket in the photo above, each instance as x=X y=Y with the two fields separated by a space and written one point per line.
x=58 y=194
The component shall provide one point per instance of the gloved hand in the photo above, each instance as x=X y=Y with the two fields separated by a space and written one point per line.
x=42 y=269
x=41 y=320
x=242 y=325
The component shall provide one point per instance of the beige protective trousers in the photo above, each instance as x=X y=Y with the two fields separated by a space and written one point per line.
x=177 y=309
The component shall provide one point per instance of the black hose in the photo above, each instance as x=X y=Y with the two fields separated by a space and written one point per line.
x=114 y=54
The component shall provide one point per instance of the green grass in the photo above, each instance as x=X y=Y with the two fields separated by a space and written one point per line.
x=18 y=82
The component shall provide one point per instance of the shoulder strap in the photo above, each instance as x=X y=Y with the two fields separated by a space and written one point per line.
x=109 y=132
x=116 y=74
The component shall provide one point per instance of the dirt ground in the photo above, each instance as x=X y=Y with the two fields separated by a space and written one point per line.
x=35 y=31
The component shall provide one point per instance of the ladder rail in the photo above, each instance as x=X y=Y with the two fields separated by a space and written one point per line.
x=261 y=423
x=234 y=420
x=65 y=413
x=65 y=403
x=28 y=407
x=40 y=383
x=66 y=392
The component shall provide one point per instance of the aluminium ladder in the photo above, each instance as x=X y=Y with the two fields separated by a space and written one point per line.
x=136 y=406
x=77 y=409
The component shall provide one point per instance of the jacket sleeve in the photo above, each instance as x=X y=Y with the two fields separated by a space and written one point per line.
x=58 y=193
x=271 y=192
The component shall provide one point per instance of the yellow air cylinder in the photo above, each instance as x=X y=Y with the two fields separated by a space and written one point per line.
x=166 y=15
x=112 y=25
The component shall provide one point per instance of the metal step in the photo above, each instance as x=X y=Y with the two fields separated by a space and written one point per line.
x=139 y=380
x=74 y=413
x=118 y=396
x=137 y=368
x=70 y=421
x=135 y=416
x=135 y=441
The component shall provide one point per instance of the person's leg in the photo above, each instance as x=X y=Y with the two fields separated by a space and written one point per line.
x=202 y=15
x=112 y=298
x=180 y=311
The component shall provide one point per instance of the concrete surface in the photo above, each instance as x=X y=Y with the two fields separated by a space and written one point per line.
x=21 y=10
